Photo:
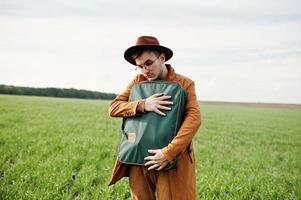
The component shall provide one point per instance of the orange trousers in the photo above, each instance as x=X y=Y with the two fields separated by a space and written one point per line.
x=144 y=183
x=172 y=184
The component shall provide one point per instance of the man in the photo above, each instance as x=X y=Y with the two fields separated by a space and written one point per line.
x=179 y=183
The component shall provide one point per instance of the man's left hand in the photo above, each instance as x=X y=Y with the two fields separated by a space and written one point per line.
x=157 y=161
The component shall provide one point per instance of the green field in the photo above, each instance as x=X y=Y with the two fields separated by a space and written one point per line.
x=55 y=148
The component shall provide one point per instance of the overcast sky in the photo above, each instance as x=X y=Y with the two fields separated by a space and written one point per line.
x=248 y=51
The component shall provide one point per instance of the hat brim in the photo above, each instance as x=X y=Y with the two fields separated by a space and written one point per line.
x=130 y=51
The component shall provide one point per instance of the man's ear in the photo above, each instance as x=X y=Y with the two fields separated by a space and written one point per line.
x=162 y=57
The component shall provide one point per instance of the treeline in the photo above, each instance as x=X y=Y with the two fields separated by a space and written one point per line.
x=55 y=92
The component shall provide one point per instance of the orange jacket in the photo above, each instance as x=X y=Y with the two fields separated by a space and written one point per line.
x=120 y=107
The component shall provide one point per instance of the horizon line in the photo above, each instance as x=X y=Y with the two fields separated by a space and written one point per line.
x=199 y=100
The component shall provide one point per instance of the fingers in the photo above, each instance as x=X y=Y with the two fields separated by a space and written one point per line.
x=164 y=97
x=153 y=164
x=150 y=163
x=164 y=107
x=157 y=161
x=165 y=102
x=155 y=157
x=156 y=165
x=161 y=96
x=158 y=102
x=157 y=95
x=164 y=164
x=153 y=167
x=150 y=158
x=153 y=150
x=159 y=112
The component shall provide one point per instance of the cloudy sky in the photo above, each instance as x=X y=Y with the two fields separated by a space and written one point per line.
x=248 y=51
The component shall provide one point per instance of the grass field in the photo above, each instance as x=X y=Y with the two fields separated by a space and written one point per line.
x=54 y=148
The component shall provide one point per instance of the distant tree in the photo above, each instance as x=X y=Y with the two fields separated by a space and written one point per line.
x=55 y=92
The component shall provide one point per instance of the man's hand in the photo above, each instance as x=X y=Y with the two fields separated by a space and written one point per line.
x=157 y=161
x=158 y=102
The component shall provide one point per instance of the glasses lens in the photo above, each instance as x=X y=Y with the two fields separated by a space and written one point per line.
x=139 y=70
x=147 y=65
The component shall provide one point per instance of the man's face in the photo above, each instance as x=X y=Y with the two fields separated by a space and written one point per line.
x=150 y=65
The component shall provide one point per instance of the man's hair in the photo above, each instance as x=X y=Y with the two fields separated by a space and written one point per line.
x=139 y=52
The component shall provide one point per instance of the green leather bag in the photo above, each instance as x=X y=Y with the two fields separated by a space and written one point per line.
x=150 y=130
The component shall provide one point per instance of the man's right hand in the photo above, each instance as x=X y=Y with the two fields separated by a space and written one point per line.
x=158 y=102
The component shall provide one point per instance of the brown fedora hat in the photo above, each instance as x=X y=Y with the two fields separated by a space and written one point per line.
x=147 y=42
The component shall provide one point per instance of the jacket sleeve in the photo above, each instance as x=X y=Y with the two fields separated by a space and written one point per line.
x=188 y=128
x=121 y=107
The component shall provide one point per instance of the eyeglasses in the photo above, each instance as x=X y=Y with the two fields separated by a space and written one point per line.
x=147 y=65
